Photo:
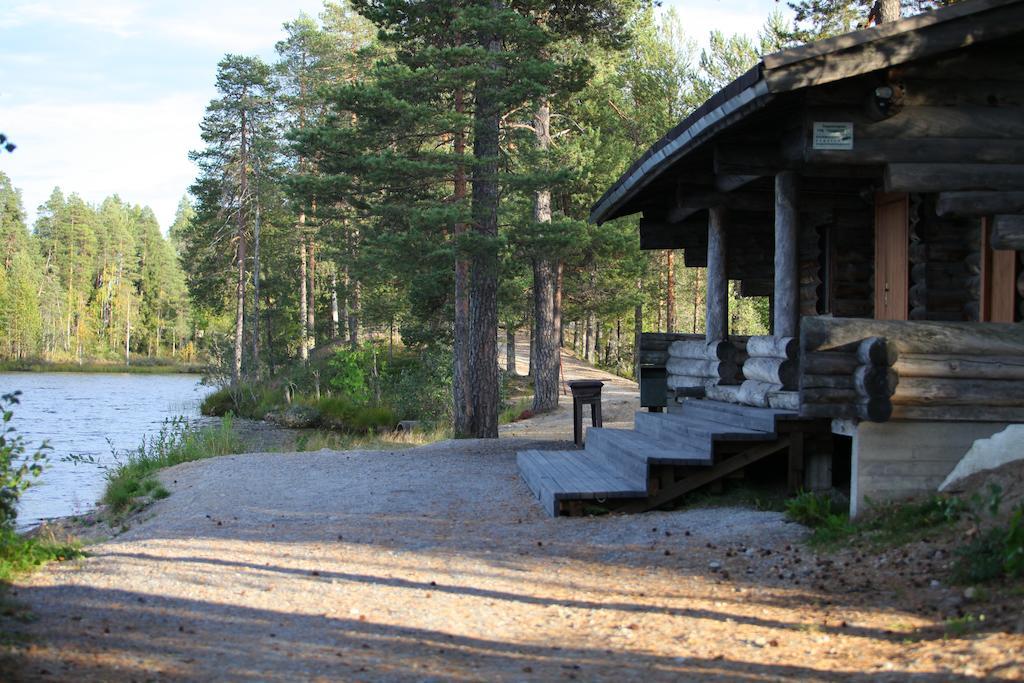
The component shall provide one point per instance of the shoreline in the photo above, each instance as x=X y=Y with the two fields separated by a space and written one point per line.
x=101 y=367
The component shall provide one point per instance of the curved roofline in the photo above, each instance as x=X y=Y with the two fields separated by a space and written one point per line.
x=799 y=67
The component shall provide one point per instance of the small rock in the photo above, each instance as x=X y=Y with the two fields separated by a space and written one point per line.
x=714 y=565
x=935 y=583
x=970 y=592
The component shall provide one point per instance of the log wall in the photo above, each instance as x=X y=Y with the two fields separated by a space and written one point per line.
x=930 y=370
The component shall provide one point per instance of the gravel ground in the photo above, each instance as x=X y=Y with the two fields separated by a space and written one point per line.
x=435 y=563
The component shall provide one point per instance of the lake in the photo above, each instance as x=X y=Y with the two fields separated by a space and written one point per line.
x=89 y=414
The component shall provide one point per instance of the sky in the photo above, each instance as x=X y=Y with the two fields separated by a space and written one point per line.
x=105 y=97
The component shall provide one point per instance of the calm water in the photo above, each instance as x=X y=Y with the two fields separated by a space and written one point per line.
x=89 y=414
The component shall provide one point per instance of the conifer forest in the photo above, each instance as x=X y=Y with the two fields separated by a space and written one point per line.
x=414 y=176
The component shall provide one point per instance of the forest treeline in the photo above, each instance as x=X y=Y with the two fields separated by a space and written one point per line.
x=416 y=173
x=96 y=283
x=425 y=170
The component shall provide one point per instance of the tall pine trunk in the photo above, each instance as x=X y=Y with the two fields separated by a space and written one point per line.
x=545 y=275
x=461 y=398
x=311 y=293
x=255 y=290
x=243 y=189
x=483 y=275
x=335 y=331
x=510 y=351
x=303 y=347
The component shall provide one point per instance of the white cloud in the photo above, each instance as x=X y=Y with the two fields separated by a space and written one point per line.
x=119 y=17
x=137 y=150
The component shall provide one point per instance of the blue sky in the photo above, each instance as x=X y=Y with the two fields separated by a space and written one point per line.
x=105 y=96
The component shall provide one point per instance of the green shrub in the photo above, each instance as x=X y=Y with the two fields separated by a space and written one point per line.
x=341 y=414
x=18 y=467
x=373 y=419
x=349 y=371
x=245 y=400
x=218 y=403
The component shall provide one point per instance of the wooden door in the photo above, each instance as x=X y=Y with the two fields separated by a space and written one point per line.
x=998 y=280
x=892 y=263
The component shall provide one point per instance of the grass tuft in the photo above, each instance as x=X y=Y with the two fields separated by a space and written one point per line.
x=131 y=484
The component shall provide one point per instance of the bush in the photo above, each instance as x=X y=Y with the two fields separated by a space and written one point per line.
x=18 y=468
x=341 y=414
x=245 y=400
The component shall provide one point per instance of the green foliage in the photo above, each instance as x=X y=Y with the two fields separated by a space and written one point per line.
x=995 y=552
x=826 y=517
x=18 y=468
x=131 y=484
x=19 y=554
x=350 y=371
x=341 y=414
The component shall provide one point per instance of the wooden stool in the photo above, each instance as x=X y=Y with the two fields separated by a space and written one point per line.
x=585 y=391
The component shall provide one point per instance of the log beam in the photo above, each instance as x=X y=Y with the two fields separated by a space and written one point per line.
x=979 y=203
x=945 y=177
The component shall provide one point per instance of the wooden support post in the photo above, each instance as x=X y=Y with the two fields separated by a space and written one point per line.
x=716 y=321
x=787 y=289
x=796 y=461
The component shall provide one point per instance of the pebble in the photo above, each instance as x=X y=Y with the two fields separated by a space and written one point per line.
x=714 y=565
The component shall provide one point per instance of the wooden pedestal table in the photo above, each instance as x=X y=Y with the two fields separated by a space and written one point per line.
x=585 y=392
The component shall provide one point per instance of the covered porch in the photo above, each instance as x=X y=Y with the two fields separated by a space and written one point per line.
x=872 y=187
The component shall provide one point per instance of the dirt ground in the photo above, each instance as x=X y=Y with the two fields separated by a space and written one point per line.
x=436 y=564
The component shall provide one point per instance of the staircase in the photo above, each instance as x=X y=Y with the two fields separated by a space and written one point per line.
x=665 y=456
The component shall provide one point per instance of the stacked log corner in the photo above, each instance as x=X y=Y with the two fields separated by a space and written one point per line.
x=695 y=364
x=856 y=380
x=930 y=370
x=770 y=373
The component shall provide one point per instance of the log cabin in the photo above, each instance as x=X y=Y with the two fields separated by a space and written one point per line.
x=871 y=185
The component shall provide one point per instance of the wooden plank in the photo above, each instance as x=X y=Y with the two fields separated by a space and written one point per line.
x=949 y=177
x=1003 y=287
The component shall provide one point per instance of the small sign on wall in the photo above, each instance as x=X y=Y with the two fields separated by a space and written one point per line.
x=833 y=135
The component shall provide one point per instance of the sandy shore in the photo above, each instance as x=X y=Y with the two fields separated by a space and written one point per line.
x=435 y=563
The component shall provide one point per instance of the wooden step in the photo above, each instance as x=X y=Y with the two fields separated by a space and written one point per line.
x=732 y=414
x=694 y=430
x=630 y=447
x=554 y=476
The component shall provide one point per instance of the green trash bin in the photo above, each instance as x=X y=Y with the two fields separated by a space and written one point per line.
x=653 y=387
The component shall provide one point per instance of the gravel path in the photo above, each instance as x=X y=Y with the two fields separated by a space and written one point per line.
x=436 y=564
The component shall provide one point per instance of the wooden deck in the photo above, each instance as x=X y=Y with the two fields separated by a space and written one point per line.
x=665 y=456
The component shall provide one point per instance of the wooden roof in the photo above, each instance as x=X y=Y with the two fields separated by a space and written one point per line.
x=825 y=61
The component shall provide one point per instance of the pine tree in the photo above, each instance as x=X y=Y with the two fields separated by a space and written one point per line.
x=239 y=140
